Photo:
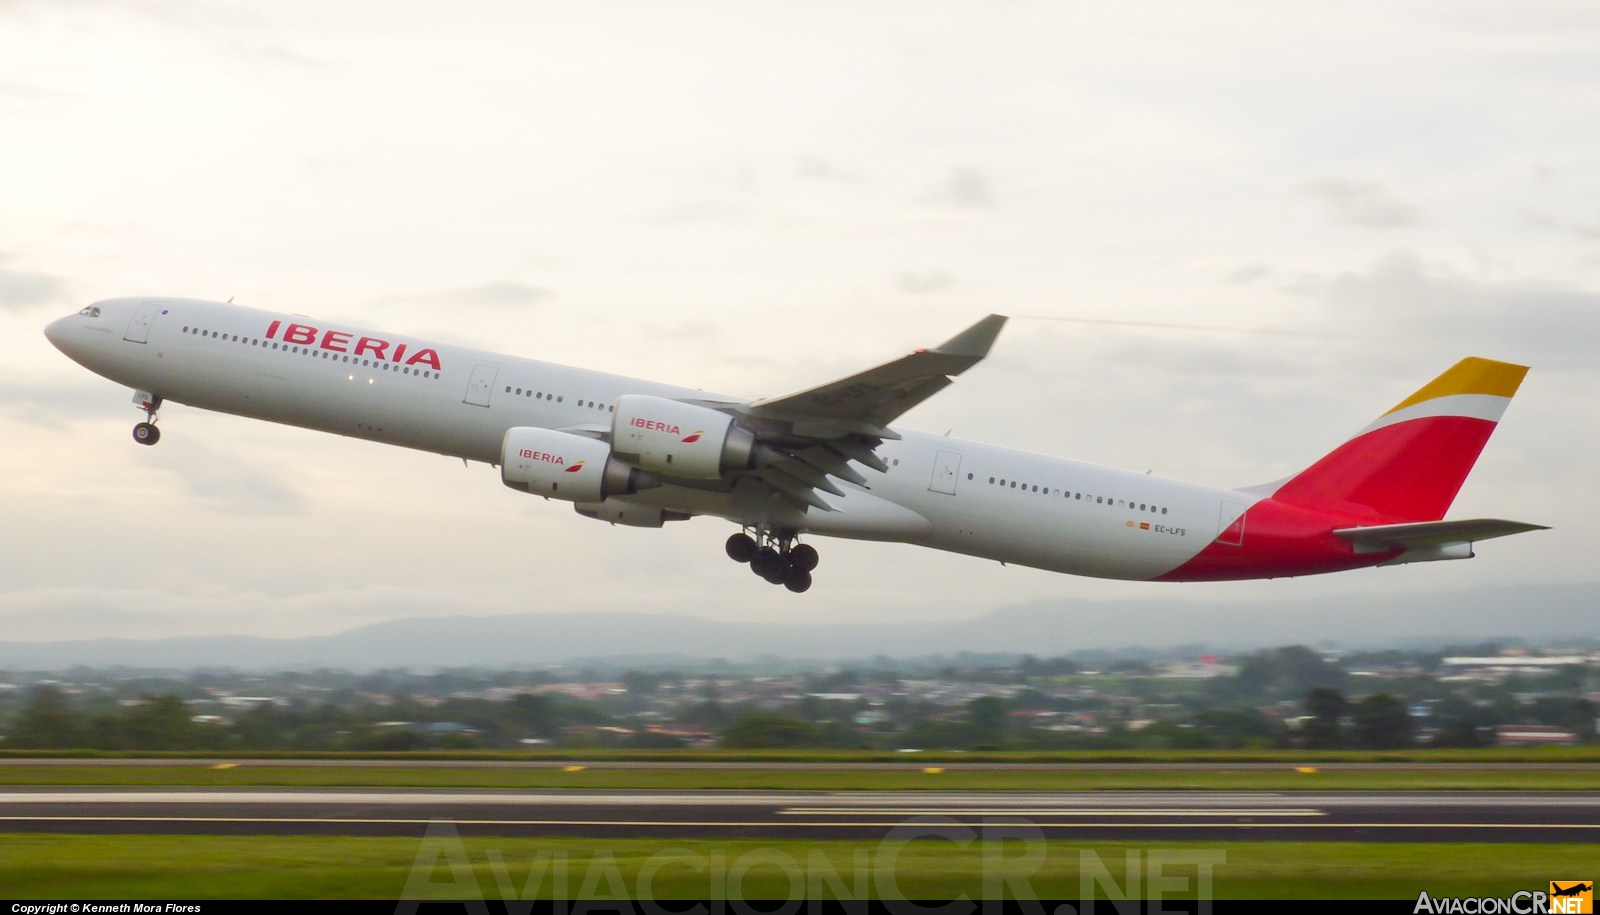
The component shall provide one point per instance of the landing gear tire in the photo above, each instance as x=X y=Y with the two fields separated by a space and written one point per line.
x=146 y=434
x=774 y=557
x=741 y=547
x=798 y=580
x=803 y=558
x=765 y=561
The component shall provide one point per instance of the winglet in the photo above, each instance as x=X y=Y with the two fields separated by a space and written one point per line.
x=975 y=340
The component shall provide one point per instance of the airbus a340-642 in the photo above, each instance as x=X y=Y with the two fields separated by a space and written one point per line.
x=824 y=461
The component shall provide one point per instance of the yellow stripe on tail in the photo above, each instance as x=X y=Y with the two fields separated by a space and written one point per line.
x=1471 y=375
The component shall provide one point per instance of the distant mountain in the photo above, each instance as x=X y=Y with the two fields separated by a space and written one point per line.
x=1545 y=613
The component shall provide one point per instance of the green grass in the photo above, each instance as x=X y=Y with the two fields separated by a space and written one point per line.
x=1286 y=778
x=311 y=867
x=1584 y=754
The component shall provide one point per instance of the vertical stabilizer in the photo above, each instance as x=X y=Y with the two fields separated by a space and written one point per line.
x=1411 y=462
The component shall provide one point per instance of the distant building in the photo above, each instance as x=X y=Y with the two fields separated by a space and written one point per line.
x=1533 y=735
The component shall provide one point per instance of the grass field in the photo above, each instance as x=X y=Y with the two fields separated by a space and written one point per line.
x=1583 y=754
x=312 y=867
x=775 y=778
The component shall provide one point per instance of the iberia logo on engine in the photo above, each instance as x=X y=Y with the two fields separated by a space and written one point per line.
x=691 y=439
x=655 y=426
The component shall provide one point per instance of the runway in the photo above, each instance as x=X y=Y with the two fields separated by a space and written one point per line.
x=1107 y=815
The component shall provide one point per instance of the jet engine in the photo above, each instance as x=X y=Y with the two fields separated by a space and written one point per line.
x=560 y=465
x=679 y=439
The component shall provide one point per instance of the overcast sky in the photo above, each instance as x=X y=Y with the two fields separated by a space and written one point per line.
x=752 y=198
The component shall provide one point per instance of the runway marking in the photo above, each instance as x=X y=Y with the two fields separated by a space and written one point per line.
x=352 y=821
x=1050 y=812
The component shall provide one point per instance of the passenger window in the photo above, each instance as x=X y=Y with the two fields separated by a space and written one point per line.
x=1163 y=511
x=991 y=481
x=1098 y=500
x=969 y=476
x=1013 y=484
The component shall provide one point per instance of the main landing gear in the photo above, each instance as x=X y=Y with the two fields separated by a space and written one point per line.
x=775 y=557
x=146 y=432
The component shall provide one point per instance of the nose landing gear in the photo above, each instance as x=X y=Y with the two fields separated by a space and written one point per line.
x=146 y=432
x=775 y=557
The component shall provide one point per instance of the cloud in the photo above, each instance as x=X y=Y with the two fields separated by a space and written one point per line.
x=1362 y=203
x=962 y=188
x=20 y=289
x=51 y=403
x=695 y=211
x=814 y=167
x=1432 y=303
x=227 y=481
x=498 y=294
x=1248 y=273
x=920 y=283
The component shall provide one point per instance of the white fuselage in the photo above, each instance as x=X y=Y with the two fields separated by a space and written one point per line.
x=998 y=503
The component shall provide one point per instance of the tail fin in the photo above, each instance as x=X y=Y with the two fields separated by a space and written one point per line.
x=1411 y=462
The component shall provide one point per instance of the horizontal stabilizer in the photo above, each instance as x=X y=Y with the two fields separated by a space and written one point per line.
x=1430 y=534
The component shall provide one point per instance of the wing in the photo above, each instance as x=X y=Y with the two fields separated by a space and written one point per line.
x=868 y=401
x=806 y=438
x=1426 y=540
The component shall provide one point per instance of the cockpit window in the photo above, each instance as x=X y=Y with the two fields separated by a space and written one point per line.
x=92 y=311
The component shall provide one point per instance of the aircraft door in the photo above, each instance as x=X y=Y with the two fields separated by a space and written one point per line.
x=1230 y=524
x=139 y=327
x=480 y=385
x=946 y=467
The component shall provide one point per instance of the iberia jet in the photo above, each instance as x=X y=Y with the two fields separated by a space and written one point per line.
x=824 y=461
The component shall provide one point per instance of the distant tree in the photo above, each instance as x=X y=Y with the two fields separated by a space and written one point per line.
x=160 y=723
x=1325 y=706
x=1235 y=728
x=392 y=739
x=766 y=731
x=986 y=714
x=1572 y=712
x=1381 y=723
x=1169 y=735
x=532 y=716
x=48 y=723
x=1457 y=732
x=1301 y=669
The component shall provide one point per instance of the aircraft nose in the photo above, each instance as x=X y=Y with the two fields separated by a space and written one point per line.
x=56 y=333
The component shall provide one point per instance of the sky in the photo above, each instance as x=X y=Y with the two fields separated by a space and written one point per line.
x=754 y=198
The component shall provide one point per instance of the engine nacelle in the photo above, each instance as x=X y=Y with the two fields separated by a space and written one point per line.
x=678 y=439
x=615 y=511
x=565 y=466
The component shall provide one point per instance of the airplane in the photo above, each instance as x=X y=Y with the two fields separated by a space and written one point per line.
x=824 y=461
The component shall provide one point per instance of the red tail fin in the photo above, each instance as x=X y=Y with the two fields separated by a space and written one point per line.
x=1409 y=464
